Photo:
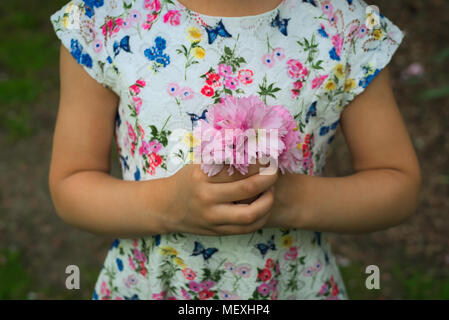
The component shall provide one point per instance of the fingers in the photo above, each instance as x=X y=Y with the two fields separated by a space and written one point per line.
x=223 y=175
x=243 y=215
x=241 y=189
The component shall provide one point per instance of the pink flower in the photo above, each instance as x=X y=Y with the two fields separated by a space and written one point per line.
x=135 y=15
x=333 y=19
x=98 y=45
x=230 y=131
x=279 y=53
x=185 y=294
x=154 y=5
x=104 y=291
x=318 y=265
x=337 y=41
x=159 y=296
x=323 y=289
x=189 y=274
x=318 y=81
x=149 y=22
x=274 y=294
x=245 y=76
x=291 y=254
x=144 y=148
x=207 y=284
x=229 y=266
x=194 y=286
x=131 y=133
x=141 y=83
x=155 y=146
x=134 y=89
x=207 y=91
x=309 y=271
x=362 y=31
x=327 y=8
x=187 y=93
x=268 y=60
x=173 y=17
x=173 y=89
x=297 y=86
x=225 y=295
x=296 y=69
x=263 y=289
x=131 y=263
x=213 y=79
x=137 y=102
x=231 y=83
x=224 y=70
x=128 y=24
x=139 y=255
x=244 y=271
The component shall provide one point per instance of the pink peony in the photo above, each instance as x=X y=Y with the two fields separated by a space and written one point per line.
x=172 y=17
x=230 y=135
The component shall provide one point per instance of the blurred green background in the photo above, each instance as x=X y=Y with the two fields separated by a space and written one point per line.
x=36 y=246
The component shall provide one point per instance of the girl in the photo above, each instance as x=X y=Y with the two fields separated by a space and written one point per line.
x=146 y=71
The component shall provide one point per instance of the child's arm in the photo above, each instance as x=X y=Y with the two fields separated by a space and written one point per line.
x=86 y=196
x=385 y=188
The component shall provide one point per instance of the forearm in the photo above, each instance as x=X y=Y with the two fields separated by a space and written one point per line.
x=99 y=203
x=367 y=201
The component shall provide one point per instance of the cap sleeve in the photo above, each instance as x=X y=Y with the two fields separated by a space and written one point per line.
x=371 y=40
x=78 y=25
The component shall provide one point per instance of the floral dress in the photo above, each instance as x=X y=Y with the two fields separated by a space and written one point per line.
x=168 y=65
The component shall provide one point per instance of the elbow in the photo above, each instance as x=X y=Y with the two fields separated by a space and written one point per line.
x=412 y=188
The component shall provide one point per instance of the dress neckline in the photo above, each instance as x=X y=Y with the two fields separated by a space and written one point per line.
x=231 y=19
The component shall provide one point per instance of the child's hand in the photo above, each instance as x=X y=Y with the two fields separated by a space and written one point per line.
x=204 y=205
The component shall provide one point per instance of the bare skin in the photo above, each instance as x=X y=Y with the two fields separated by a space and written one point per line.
x=382 y=193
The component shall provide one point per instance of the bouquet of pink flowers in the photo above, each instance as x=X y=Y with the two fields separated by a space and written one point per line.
x=240 y=131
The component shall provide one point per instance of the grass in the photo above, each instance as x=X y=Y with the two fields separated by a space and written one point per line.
x=14 y=280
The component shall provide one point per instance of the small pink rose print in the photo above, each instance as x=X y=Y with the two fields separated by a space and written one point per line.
x=154 y=5
x=318 y=81
x=172 y=17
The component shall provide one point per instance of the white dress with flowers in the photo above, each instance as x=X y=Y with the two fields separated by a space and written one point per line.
x=168 y=64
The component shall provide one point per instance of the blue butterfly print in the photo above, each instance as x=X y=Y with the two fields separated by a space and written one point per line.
x=325 y=129
x=219 y=30
x=281 y=24
x=312 y=2
x=333 y=54
x=122 y=45
x=200 y=250
x=137 y=174
x=323 y=32
x=349 y=1
x=367 y=80
x=119 y=264
x=156 y=52
x=134 y=297
x=195 y=118
x=76 y=49
x=125 y=162
x=311 y=112
x=90 y=5
x=264 y=247
x=115 y=244
x=95 y=295
x=318 y=240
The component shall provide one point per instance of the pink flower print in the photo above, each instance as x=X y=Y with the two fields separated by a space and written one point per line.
x=141 y=131
x=244 y=271
x=309 y=271
x=291 y=254
x=185 y=294
x=97 y=45
x=333 y=20
x=194 y=286
x=230 y=267
x=134 y=89
x=213 y=79
x=131 y=263
x=279 y=53
x=135 y=16
x=224 y=70
x=139 y=255
x=159 y=296
x=363 y=30
x=297 y=86
x=173 y=89
x=273 y=284
x=296 y=69
x=130 y=281
x=154 y=5
x=155 y=159
x=323 y=289
x=141 y=83
x=128 y=24
x=149 y=22
x=263 y=289
x=278 y=268
x=225 y=295
x=268 y=60
x=207 y=284
x=173 y=17
x=137 y=103
x=337 y=41
x=104 y=291
x=231 y=83
x=189 y=274
x=318 y=265
x=172 y=298
x=269 y=263
x=245 y=76
x=318 y=81
x=131 y=133
x=155 y=146
x=144 y=148
x=118 y=25
x=327 y=8
x=187 y=93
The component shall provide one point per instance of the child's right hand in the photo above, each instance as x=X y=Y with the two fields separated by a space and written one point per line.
x=203 y=205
